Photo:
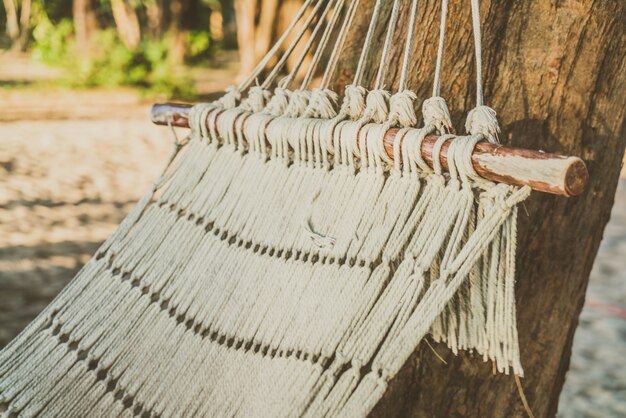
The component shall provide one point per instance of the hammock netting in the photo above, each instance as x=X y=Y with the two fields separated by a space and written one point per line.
x=284 y=264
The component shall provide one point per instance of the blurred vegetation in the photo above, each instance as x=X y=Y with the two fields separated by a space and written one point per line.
x=148 y=44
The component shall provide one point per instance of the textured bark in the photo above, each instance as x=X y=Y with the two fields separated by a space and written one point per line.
x=127 y=23
x=85 y=24
x=554 y=72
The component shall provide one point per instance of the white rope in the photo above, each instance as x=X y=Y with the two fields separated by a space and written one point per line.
x=358 y=76
x=482 y=119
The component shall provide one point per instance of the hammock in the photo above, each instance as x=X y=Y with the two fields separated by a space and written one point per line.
x=292 y=254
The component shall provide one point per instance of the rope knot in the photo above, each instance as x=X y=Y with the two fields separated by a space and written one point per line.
x=482 y=121
x=298 y=103
x=257 y=97
x=436 y=114
x=377 y=106
x=354 y=101
x=230 y=99
x=323 y=104
x=402 y=108
x=279 y=102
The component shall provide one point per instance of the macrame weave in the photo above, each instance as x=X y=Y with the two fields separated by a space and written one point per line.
x=283 y=264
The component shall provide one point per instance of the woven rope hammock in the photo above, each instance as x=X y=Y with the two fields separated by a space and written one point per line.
x=296 y=249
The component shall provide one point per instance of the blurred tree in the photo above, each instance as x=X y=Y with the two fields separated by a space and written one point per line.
x=127 y=23
x=85 y=25
x=18 y=27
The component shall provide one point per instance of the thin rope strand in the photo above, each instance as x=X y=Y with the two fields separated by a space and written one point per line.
x=367 y=44
x=322 y=45
x=261 y=65
x=383 y=66
x=442 y=36
x=339 y=44
x=408 y=48
x=478 y=51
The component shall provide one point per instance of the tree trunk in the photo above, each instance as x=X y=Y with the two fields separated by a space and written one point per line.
x=22 y=41
x=13 y=26
x=127 y=23
x=554 y=72
x=85 y=24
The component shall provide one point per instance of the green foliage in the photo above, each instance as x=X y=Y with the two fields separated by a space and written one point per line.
x=198 y=45
x=51 y=42
x=110 y=63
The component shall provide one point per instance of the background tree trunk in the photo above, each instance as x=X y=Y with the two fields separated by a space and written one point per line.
x=85 y=24
x=127 y=23
x=554 y=71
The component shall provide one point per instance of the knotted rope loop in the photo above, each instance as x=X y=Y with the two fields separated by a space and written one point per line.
x=298 y=103
x=353 y=101
x=256 y=100
x=402 y=109
x=437 y=153
x=279 y=102
x=230 y=99
x=436 y=115
x=482 y=121
x=376 y=106
x=463 y=161
x=412 y=151
x=323 y=104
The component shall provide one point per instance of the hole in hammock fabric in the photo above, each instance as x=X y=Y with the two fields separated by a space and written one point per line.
x=137 y=410
x=111 y=385
x=200 y=221
x=145 y=290
x=64 y=338
x=72 y=346
x=93 y=364
x=197 y=329
x=81 y=355
x=135 y=282
x=189 y=323
x=118 y=395
x=145 y=414
x=116 y=271
x=56 y=330
x=164 y=304
x=101 y=375
x=128 y=402
x=4 y=406
x=180 y=318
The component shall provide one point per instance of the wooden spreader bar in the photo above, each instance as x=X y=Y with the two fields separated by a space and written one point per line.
x=543 y=172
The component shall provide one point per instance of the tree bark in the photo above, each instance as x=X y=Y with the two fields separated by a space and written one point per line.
x=554 y=72
x=13 y=27
x=127 y=23
x=85 y=24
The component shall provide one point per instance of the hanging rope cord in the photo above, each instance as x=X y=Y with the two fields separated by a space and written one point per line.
x=442 y=35
x=385 y=56
x=408 y=47
x=482 y=119
x=339 y=44
x=272 y=52
x=286 y=82
x=322 y=45
x=360 y=69
x=305 y=27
